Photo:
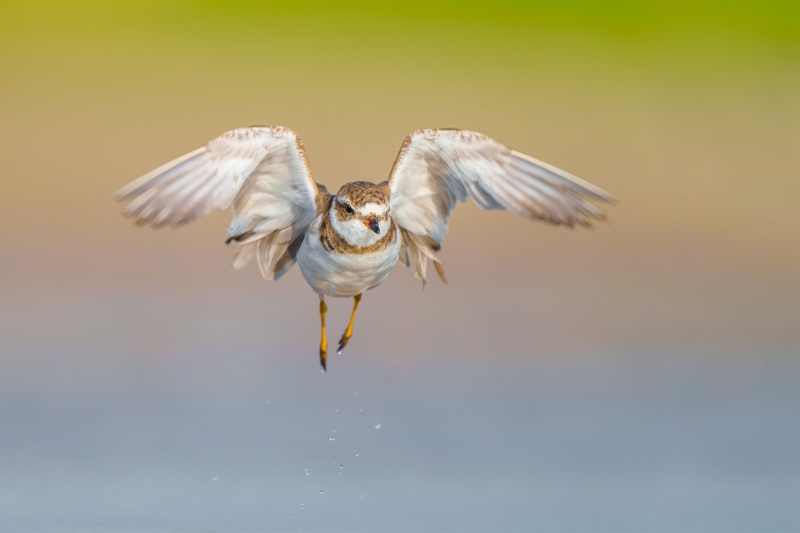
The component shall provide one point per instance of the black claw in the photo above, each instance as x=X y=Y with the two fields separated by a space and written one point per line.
x=323 y=356
x=342 y=344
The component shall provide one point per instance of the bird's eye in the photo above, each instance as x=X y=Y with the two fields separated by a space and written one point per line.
x=348 y=209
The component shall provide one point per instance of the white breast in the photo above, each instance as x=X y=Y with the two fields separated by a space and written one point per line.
x=343 y=275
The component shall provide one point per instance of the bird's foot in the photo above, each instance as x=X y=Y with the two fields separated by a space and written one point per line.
x=343 y=342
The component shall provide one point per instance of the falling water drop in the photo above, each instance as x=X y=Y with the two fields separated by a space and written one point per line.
x=378 y=425
x=358 y=454
x=307 y=472
x=322 y=491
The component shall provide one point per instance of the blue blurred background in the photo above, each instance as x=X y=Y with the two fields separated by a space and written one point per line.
x=642 y=376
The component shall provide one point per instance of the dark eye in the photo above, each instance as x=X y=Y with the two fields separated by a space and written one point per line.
x=348 y=209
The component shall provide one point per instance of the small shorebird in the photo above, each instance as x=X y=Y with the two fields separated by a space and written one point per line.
x=348 y=243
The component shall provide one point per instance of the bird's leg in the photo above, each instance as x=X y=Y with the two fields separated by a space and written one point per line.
x=349 y=331
x=323 y=344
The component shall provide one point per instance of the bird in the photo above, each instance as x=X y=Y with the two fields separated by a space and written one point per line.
x=347 y=243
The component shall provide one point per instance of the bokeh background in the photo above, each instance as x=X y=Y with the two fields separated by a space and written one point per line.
x=641 y=376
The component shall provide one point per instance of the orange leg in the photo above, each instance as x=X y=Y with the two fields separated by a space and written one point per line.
x=349 y=331
x=323 y=344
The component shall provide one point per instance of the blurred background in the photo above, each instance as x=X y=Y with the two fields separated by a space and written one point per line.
x=641 y=376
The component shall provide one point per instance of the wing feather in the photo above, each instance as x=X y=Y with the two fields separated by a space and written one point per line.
x=262 y=171
x=436 y=169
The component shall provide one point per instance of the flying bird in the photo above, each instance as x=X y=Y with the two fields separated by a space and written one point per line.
x=347 y=243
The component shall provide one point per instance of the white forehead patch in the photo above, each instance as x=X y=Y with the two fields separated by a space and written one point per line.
x=372 y=208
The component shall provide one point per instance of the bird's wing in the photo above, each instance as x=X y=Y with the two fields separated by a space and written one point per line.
x=262 y=171
x=438 y=167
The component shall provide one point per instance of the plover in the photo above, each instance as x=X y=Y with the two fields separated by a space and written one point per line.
x=347 y=243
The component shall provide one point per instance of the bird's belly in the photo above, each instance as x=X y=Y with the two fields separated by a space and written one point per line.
x=343 y=275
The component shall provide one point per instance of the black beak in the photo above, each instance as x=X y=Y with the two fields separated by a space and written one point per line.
x=373 y=225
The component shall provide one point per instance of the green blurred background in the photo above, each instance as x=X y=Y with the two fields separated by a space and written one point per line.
x=640 y=376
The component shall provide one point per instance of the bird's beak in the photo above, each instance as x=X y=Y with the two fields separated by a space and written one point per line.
x=373 y=225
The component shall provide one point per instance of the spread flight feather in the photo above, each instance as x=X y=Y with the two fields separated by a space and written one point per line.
x=263 y=173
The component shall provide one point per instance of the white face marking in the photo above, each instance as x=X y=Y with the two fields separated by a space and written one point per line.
x=372 y=209
x=355 y=231
x=384 y=225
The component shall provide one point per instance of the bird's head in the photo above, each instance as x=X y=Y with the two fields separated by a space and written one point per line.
x=360 y=213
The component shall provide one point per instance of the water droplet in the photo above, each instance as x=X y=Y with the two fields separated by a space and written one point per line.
x=358 y=454
x=360 y=410
x=322 y=492
x=378 y=425
x=335 y=410
x=215 y=478
x=341 y=467
x=295 y=517
x=332 y=439
x=307 y=472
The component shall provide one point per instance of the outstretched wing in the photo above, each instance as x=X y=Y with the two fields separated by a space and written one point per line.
x=263 y=171
x=438 y=167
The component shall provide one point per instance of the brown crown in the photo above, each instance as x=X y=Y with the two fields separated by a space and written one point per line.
x=360 y=193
